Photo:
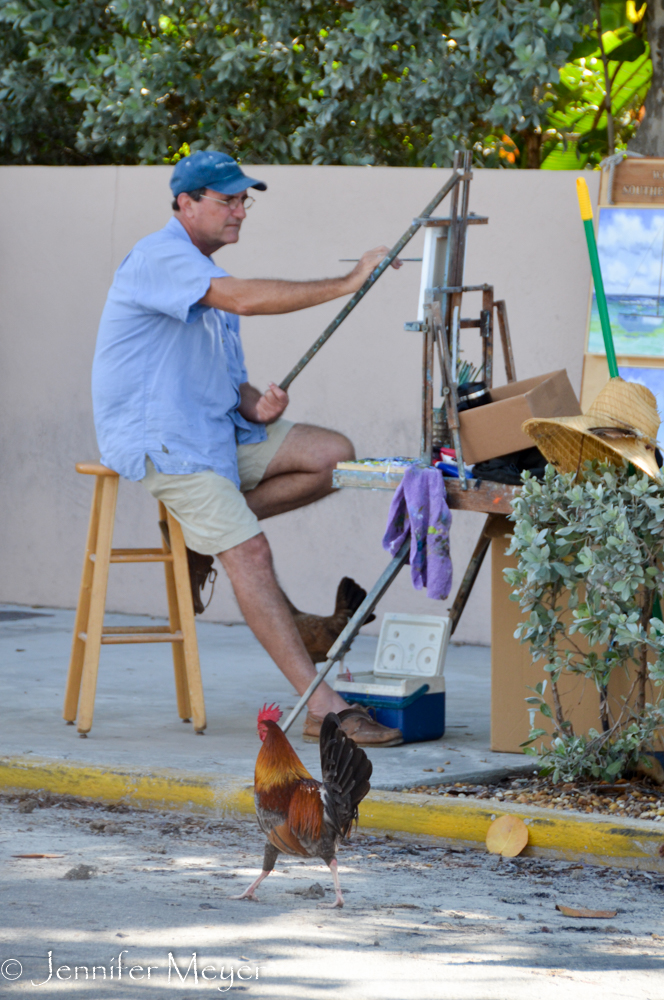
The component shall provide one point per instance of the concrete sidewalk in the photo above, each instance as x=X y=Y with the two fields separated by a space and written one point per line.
x=136 y=723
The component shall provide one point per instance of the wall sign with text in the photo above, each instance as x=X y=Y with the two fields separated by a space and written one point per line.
x=638 y=182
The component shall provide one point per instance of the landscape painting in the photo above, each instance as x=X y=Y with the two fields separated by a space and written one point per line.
x=631 y=251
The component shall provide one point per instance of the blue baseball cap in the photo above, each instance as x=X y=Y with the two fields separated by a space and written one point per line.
x=213 y=170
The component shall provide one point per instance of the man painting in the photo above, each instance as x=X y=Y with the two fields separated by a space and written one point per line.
x=174 y=408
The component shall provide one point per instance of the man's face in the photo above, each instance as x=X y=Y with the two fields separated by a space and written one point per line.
x=214 y=220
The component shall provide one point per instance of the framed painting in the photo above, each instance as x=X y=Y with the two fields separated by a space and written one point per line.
x=630 y=242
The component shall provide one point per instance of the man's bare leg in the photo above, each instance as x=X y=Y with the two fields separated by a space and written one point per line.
x=250 y=570
x=301 y=471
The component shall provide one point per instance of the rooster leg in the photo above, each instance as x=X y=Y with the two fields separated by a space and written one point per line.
x=269 y=859
x=249 y=893
x=339 y=901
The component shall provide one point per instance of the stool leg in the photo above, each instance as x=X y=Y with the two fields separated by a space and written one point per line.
x=186 y=613
x=181 y=687
x=82 y=610
x=95 y=623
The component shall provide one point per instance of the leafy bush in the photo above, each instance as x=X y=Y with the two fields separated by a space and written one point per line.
x=595 y=545
x=396 y=82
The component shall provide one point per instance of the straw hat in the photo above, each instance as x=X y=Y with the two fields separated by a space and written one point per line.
x=621 y=424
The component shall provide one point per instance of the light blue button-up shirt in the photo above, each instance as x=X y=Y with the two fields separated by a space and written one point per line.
x=167 y=371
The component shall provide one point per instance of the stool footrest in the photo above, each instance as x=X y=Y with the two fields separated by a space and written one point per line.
x=137 y=556
x=134 y=629
x=125 y=635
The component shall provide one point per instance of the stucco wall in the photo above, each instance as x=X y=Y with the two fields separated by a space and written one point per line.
x=65 y=230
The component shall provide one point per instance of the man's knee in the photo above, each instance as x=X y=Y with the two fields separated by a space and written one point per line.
x=255 y=553
x=346 y=449
x=338 y=448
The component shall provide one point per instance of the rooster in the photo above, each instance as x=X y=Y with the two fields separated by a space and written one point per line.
x=319 y=632
x=299 y=815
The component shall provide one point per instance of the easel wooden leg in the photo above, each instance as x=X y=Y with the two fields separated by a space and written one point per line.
x=179 y=668
x=433 y=315
x=426 y=443
x=82 y=611
x=95 y=622
x=186 y=613
x=486 y=319
x=345 y=639
x=474 y=566
x=506 y=340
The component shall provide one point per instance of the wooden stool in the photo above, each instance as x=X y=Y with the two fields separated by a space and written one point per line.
x=90 y=634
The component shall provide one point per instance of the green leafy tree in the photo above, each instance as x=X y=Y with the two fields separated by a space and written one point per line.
x=40 y=43
x=598 y=100
x=347 y=81
x=508 y=61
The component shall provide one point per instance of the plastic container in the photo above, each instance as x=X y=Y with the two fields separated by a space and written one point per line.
x=406 y=688
x=472 y=394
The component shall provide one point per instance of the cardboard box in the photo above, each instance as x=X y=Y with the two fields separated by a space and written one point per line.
x=495 y=429
x=513 y=670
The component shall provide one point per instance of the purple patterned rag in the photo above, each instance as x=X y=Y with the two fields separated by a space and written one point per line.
x=419 y=507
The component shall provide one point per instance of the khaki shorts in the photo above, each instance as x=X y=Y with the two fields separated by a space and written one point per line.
x=212 y=511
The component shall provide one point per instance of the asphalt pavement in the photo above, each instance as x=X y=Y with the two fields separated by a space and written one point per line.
x=126 y=891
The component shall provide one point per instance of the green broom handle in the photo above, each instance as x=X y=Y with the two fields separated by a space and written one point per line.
x=586 y=208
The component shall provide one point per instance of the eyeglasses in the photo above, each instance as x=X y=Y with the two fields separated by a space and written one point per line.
x=233 y=202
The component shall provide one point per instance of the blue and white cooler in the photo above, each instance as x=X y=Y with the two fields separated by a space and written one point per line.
x=406 y=688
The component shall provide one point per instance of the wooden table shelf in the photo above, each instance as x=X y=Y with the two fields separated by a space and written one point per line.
x=481 y=495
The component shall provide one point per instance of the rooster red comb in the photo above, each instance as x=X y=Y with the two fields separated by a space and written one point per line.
x=269 y=713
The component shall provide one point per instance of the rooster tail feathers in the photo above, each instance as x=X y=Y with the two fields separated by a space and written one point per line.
x=349 y=597
x=346 y=772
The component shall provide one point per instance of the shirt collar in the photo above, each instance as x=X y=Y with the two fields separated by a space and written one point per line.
x=175 y=228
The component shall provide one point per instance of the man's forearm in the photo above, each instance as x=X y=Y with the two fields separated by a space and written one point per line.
x=267 y=296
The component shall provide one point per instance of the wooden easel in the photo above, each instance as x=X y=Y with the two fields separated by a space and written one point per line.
x=440 y=321
x=440 y=324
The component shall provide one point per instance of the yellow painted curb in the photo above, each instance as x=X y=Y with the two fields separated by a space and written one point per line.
x=569 y=835
x=159 y=789
x=576 y=836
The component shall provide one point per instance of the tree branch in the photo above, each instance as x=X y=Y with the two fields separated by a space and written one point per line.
x=607 y=98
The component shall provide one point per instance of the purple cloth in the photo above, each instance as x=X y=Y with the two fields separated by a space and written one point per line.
x=419 y=507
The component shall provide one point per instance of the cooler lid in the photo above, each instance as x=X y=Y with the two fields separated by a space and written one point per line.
x=412 y=645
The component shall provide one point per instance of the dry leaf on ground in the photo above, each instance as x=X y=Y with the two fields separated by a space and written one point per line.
x=507 y=836
x=571 y=911
x=38 y=855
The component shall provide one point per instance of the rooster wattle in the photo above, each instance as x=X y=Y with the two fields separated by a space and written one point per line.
x=299 y=815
